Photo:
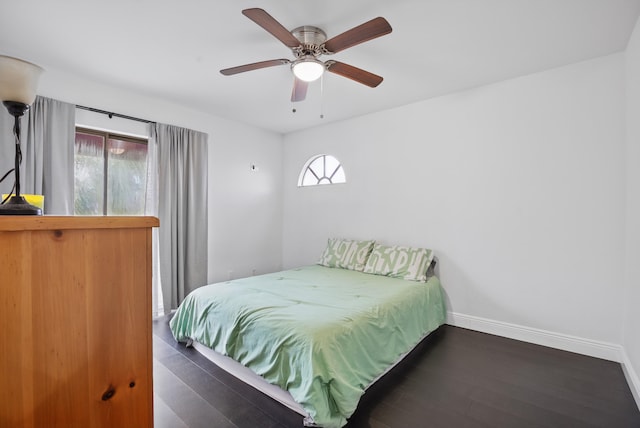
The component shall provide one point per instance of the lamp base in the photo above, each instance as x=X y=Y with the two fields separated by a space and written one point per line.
x=17 y=205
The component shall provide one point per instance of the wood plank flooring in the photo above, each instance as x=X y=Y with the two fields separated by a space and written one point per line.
x=455 y=378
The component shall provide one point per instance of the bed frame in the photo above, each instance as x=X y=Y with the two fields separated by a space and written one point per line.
x=249 y=377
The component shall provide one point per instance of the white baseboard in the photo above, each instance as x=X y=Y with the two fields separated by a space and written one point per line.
x=592 y=348
x=632 y=377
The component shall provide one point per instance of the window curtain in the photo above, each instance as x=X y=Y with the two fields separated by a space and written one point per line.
x=48 y=133
x=181 y=201
x=7 y=149
x=151 y=209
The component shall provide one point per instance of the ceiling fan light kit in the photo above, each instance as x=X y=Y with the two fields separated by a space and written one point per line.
x=308 y=69
x=307 y=43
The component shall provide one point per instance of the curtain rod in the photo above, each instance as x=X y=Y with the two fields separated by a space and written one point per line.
x=111 y=114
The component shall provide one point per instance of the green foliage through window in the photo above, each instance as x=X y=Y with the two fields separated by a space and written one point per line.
x=122 y=161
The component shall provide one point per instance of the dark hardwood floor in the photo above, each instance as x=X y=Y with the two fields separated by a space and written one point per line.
x=455 y=378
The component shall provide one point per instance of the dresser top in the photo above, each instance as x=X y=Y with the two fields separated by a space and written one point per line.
x=46 y=222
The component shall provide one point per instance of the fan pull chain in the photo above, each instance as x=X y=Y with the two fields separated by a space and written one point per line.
x=322 y=96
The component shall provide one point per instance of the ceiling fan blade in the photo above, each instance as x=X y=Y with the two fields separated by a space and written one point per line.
x=299 y=92
x=268 y=22
x=369 y=30
x=253 y=66
x=354 y=73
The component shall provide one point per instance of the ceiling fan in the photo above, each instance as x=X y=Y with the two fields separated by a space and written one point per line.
x=308 y=43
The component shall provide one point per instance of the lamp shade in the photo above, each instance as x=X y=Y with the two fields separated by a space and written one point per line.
x=308 y=69
x=18 y=80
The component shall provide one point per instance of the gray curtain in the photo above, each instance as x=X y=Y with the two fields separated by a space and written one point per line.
x=182 y=210
x=151 y=209
x=47 y=141
x=7 y=149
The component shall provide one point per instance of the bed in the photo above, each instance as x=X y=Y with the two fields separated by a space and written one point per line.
x=321 y=334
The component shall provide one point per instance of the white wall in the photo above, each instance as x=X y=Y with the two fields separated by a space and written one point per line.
x=517 y=186
x=245 y=208
x=632 y=277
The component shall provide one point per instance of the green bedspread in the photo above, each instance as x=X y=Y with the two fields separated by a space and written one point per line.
x=322 y=334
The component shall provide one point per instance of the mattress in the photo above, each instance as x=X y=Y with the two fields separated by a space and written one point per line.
x=321 y=334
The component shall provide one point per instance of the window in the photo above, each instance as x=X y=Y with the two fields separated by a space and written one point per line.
x=322 y=169
x=110 y=173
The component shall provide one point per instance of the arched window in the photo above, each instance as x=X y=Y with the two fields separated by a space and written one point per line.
x=322 y=169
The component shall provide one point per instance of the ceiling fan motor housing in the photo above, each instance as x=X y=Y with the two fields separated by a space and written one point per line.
x=311 y=39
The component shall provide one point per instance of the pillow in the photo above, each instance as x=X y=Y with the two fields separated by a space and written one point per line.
x=399 y=262
x=346 y=254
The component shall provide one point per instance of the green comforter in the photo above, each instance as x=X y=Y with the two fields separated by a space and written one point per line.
x=322 y=334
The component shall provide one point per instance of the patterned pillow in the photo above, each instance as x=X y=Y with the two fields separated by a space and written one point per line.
x=346 y=254
x=399 y=262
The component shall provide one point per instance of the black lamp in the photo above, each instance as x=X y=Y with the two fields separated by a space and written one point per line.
x=18 y=82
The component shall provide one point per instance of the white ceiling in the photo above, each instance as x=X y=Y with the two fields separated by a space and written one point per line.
x=174 y=49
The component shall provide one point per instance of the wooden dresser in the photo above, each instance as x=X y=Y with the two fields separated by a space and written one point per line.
x=75 y=322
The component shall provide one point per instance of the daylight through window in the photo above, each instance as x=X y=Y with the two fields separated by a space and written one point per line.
x=322 y=169
x=110 y=173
